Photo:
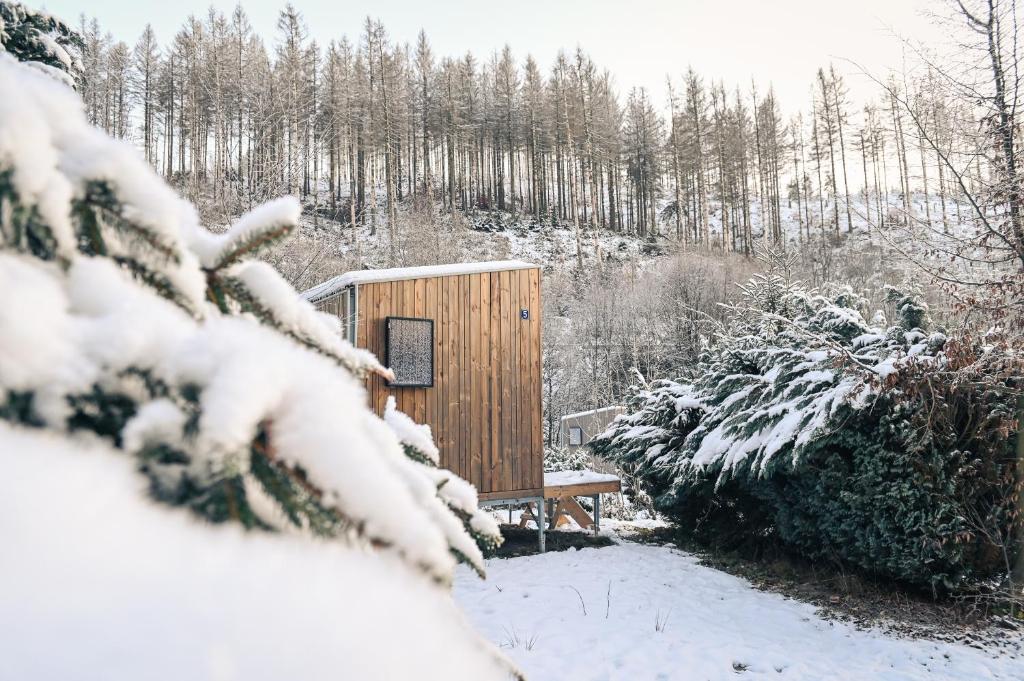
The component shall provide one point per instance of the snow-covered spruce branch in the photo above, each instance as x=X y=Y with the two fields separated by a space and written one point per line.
x=803 y=331
x=254 y=417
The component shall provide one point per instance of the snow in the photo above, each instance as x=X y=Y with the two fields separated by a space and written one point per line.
x=299 y=317
x=106 y=585
x=36 y=334
x=577 y=478
x=785 y=405
x=319 y=422
x=248 y=374
x=592 y=412
x=121 y=588
x=216 y=248
x=332 y=286
x=54 y=152
x=713 y=625
x=416 y=435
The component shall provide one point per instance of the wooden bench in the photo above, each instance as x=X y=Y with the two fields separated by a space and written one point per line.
x=560 y=492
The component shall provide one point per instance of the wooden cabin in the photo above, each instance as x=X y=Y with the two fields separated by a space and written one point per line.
x=464 y=343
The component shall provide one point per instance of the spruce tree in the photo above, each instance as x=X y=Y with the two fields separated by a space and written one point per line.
x=126 y=321
x=885 y=446
x=40 y=39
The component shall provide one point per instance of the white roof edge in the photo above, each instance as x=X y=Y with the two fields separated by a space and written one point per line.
x=590 y=412
x=332 y=286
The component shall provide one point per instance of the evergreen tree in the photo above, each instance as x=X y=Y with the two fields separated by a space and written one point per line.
x=40 y=39
x=124 y=320
x=837 y=436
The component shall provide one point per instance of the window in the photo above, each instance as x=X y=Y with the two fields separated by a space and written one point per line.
x=347 y=314
x=409 y=351
x=575 y=436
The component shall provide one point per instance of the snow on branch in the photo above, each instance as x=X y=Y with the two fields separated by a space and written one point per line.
x=791 y=364
x=121 y=317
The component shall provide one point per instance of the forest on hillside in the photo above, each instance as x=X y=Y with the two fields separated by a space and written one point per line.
x=391 y=148
x=365 y=122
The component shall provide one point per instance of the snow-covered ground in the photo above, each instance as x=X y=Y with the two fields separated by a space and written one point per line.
x=637 y=612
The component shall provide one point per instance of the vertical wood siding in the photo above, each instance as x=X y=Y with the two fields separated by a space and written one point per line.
x=485 y=406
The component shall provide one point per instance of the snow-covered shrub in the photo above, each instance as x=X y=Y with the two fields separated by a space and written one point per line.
x=130 y=331
x=558 y=458
x=887 y=448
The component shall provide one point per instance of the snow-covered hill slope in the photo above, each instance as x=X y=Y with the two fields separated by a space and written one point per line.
x=327 y=247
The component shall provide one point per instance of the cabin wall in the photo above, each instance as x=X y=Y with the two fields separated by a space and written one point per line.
x=485 y=406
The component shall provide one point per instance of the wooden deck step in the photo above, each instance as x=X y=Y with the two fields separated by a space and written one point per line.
x=579 y=484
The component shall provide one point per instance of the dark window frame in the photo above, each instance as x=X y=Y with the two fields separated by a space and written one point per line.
x=387 y=351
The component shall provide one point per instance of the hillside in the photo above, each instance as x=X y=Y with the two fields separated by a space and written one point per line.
x=325 y=246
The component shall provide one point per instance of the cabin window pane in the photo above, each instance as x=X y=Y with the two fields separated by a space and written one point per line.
x=409 y=350
x=350 y=316
x=344 y=310
x=575 y=436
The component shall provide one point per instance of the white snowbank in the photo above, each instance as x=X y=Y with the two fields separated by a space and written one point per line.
x=99 y=583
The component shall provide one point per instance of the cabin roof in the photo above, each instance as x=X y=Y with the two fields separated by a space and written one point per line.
x=334 y=285
x=592 y=412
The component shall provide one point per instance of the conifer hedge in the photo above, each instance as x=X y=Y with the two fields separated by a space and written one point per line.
x=889 y=448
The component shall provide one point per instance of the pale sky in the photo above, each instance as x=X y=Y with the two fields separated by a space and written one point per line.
x=640 y=41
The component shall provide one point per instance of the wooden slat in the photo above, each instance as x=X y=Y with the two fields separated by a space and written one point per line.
x=368 y=294
x=536 y=388
x=525 y=419
x=440 y=356
x=474 y=408
x=465 y=386
x=583 y=489
x=366 y=315
x=493 y=479
x=572 y=507
x=484 y=375
x=361 y=319
x=507 y=414
x=383 y=307
x=515 y=453
x=511 y=494
x=452 y=287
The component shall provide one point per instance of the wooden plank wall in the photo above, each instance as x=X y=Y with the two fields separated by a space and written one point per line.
x=485 y=406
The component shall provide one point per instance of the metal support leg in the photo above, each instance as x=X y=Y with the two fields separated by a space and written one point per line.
x=597 y=514
x=540 y=524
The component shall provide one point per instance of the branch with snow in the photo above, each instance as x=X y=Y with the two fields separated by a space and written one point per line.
x=123 y=322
